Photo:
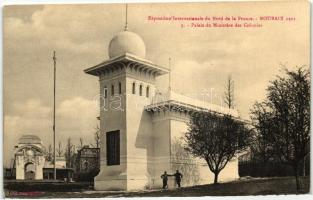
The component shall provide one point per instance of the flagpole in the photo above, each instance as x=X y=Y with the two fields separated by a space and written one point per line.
x=126 y=22
x=54 y=78
x=169 y=75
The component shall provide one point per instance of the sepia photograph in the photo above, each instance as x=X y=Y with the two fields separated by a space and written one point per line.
x=163 y=99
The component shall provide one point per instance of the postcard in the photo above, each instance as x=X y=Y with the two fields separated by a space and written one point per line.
x=156 y=99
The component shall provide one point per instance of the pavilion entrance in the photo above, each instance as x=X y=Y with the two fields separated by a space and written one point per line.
x=29 y=158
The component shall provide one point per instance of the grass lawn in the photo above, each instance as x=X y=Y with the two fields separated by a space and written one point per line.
x=265 y=186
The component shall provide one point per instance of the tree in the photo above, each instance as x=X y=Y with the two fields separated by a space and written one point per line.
x=97 y=137
x=229 y=98
x=69 y=153
x=283 y=119
x=260 y=121
x=216 y=138
x=59 y=150
x=81 y=143
x=49 y=153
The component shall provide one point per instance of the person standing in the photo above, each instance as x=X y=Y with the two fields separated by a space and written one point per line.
x=178 y=177
x=164 y=177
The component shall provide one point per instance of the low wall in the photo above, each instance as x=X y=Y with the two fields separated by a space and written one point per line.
x=28 y=186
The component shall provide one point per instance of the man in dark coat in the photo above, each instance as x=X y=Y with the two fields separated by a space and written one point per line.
x=178 y=177
x=164 y=177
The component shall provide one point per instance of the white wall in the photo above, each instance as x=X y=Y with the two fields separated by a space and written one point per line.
x=135 y=125
x=139 y=132
x=230 y=172
x=112 y=117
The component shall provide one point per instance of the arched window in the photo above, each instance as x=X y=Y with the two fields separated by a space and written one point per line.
x=147 y=91
x=119 y=87
x=140 y=90
x=134 y=88
x=112 y=90
x=105 y=91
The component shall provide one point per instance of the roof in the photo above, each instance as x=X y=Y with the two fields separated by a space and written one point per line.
x=59 y=164
x=29 y=139
x=127 y=57
x=182 y=102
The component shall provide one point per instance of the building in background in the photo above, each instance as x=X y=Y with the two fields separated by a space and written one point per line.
x=88 y=159
x=29 y=158
x=29 y=162
x=87 y=163
x=63 y=173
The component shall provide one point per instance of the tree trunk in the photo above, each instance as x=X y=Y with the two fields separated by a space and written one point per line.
x=303 y=173
x=296 y=171
x=216 y=177
x=298 y=183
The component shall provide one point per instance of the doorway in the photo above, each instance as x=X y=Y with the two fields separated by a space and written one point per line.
x=30 y=171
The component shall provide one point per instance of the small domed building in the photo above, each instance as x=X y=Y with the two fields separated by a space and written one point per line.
x=141 y=128
x=30 y=161
x=29 y=158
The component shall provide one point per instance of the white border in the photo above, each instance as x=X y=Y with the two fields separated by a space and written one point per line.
x=32 y=2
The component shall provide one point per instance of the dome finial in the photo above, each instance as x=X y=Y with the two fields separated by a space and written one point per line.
x=126 y=24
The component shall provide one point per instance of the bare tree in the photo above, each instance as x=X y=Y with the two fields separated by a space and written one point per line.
x=81 y=143
x=216 y=139
x=229 y=97
x=59 y=150
x=49 y=153
x=97 y=137
x=69 y=153
x=283 y=119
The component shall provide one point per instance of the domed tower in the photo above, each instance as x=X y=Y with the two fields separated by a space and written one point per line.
x=127 y=85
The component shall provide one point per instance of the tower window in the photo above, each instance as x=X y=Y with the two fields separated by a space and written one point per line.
x=134 y=88
x=113 y=147
x=105 y=91
x=140 y=90
x=112 y=90
x=119 y=87
x=147 y=91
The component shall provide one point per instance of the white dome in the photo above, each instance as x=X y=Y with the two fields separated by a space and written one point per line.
x=127 y=42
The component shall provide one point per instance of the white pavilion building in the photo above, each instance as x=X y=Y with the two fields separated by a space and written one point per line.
x=141 y=129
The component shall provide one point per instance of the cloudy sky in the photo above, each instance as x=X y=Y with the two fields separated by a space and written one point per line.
x=202 y=58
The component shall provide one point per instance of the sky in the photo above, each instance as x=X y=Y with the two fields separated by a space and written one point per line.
x=201 y=58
